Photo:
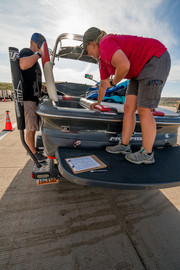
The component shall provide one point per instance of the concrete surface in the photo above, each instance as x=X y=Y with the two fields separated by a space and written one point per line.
x=70 y=227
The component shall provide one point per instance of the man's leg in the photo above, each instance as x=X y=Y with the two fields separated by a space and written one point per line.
x=129 y=123
x=129 y=120
x=30 y=140
x=148 y=128
x=32 y=125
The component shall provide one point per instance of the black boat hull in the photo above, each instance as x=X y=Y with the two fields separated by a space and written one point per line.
x=70 y=125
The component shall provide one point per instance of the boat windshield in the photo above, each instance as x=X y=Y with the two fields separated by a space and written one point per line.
x=74 y=71
x=69 y=64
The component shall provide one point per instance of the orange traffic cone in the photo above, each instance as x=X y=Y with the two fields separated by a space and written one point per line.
x=8 y=126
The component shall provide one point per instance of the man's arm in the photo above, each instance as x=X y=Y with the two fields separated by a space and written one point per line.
x=122 y=65
x=120 y=61
x=104 y=84
x=28 y=61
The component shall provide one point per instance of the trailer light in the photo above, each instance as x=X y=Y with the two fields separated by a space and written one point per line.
x=51 y=157
x=42 y=176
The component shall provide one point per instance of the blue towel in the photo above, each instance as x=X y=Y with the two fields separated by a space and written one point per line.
x=92 y=92
x=115 y=99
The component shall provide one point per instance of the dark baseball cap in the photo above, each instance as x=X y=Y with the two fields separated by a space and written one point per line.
x=90 y=35
x=38 y=39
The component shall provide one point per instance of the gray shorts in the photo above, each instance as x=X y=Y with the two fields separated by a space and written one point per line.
x=31 y=118
x=150 y=81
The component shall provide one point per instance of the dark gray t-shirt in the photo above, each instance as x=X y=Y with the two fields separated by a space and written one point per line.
x=32 y=79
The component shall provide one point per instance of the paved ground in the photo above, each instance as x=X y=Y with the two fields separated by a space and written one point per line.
x=70 y=227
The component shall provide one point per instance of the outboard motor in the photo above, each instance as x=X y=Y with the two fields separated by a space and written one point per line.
x=18 y=97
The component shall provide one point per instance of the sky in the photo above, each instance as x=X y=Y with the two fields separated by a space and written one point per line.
x=158 y=19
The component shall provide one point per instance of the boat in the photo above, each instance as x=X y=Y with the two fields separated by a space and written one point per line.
x=69 y=129
x=68 y=122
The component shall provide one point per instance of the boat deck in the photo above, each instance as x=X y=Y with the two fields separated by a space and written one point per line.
x=164 y=173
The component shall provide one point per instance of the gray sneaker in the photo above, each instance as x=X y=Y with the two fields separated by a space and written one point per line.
x=40 y=157
x=140 y=157
x=119 y=149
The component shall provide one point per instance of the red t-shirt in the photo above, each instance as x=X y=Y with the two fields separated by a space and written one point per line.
x=137 y=49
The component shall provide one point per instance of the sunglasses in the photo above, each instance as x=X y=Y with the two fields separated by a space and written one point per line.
x=84 y=45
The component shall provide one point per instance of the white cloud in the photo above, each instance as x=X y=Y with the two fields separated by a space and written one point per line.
x=5 y=75
x=174 y=75
x=53 y=17
x=47 y=2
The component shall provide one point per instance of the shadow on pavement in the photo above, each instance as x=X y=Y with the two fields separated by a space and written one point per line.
x=66 y=226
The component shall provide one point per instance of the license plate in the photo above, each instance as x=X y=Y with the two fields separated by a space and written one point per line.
x=47 y=181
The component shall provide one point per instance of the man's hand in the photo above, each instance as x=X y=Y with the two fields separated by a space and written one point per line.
x=40 y=50
x=44 y=89
x=93 y=105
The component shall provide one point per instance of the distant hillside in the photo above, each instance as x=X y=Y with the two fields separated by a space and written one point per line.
x=169 y=101
x=165 y=101
x=6 y=86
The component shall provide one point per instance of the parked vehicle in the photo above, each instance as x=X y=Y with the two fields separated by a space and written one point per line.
x=6 y=94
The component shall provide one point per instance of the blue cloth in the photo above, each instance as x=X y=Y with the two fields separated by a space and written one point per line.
x=92 y=92
x=115 y=88
x=115 y=99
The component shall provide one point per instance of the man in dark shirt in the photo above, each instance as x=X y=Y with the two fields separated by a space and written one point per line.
x=32 y=83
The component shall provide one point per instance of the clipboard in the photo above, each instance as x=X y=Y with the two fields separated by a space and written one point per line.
x=85 y=163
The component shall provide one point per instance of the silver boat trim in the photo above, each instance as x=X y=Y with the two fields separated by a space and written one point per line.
x=96 y=119
x=76 y=117
x=165 y=123
x=58 y=40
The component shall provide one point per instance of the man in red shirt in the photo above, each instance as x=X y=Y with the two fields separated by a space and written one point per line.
x=146 y=62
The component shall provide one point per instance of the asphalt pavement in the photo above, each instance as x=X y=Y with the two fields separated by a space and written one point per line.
x=70 y=227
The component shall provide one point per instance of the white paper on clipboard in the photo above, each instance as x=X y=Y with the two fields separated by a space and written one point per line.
x=85 y=163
